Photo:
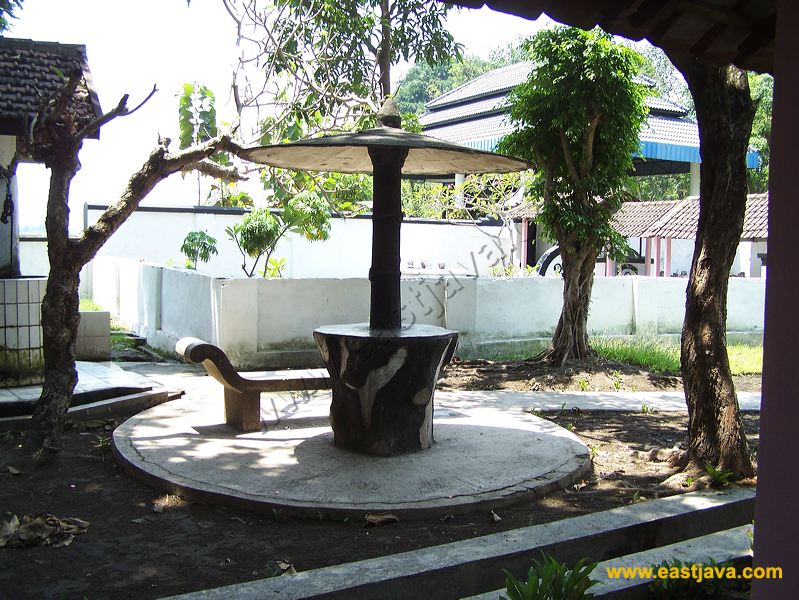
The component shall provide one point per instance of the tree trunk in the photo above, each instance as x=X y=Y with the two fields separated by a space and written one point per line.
x=60 y=313
x=384 y=52
x=724 y=111
x=571 y=334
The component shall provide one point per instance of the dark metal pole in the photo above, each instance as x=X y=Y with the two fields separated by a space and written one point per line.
x=385 y=310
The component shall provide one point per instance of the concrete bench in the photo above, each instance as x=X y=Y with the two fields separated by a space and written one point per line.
x=243 y=390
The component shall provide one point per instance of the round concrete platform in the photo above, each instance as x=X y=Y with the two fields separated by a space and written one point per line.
x=482 y=458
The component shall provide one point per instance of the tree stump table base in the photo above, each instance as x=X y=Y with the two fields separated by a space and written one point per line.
x=383 y=383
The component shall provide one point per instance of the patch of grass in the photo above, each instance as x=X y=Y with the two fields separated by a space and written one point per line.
x=649 y=354
x=745 y=360
x=89 y=305
x=121 y=341
x=661 y=358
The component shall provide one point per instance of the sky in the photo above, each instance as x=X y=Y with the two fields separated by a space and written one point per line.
x=132 y=46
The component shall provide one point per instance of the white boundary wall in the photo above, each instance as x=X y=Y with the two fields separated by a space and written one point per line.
x=155 y=234
x=264 y=323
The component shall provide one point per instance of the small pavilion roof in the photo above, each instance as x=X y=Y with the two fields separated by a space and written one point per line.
x=29 y=70
x=678 y=219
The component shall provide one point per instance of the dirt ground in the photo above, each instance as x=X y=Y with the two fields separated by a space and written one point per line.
x=141 y=544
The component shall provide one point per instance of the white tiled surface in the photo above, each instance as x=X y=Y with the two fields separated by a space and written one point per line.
x=91 y=376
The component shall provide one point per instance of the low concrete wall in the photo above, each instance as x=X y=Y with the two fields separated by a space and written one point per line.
x=264 y=323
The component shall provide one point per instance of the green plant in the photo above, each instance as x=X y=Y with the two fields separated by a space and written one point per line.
x=198 y=246
x=577 y=118
x=719 y=478
x=647 y=410
x=275 y=267
x=583 y=384
x=616 y=378
x=683 y=580
x=89 y=305
x=689 y=481
x=550 y=579
x=259 y=232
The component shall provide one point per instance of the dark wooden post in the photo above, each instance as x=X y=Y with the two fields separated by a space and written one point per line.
x=384 y=275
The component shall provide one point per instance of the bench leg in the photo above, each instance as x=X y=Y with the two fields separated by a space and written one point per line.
x=243 y=410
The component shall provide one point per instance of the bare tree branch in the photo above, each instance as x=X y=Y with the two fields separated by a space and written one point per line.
x=206 y=167
x=158 y=166
x=64 y=96
x=120 y=110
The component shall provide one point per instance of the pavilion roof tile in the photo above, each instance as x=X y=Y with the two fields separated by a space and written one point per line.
x=32 y=70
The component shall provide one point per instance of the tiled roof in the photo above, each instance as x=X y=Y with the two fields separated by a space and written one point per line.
x=470 y=110
x=678 y=219
x=494 y=82
x=490 y=127
x=670 y=130
x=756 y=218
x=29 y=70
x=666 y=107
x=635 y=218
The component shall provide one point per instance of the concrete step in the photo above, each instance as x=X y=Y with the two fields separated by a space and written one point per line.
x=730 y=545
x=475 y=566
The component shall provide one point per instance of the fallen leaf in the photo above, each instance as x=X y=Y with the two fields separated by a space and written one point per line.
x=288 y=568
x=239 y=520
x=447 y=517
x=139 y=521
x=42 y=529
x=373 y=520
x=495 y=517
x=13 y=471
x=158 y=508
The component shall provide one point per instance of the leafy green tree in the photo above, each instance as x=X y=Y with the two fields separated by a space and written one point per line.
x=326 y=62
x=577 y=119
x=259 y=232
x=7 y=8
x=762 y=90
x=424 y=82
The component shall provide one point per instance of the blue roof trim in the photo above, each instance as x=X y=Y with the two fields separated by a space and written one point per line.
x=658 y=150
x=689 y=154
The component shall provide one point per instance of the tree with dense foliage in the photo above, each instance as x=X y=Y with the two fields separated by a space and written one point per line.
x=311 y=66
x=577 y=119
x=762 y=90
x=7 y=8
x=724 y=111
x=324 y=62
x=56 y=140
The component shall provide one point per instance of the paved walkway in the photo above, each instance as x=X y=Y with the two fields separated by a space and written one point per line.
x=183 y=446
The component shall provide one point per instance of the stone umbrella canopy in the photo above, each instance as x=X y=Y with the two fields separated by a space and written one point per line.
x=383 y=376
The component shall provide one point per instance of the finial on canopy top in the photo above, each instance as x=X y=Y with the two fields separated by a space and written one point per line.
x=389 y=114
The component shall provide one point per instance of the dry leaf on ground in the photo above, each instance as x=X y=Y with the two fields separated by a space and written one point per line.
x=41 y=529
x=373 y=520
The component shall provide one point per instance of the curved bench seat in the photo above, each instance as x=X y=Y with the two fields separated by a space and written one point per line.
x=243 y=390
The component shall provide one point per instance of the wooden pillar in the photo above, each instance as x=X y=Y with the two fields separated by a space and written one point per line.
x=667 y=270
x=648 y=257
x=776 y=525
x=385 y=310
